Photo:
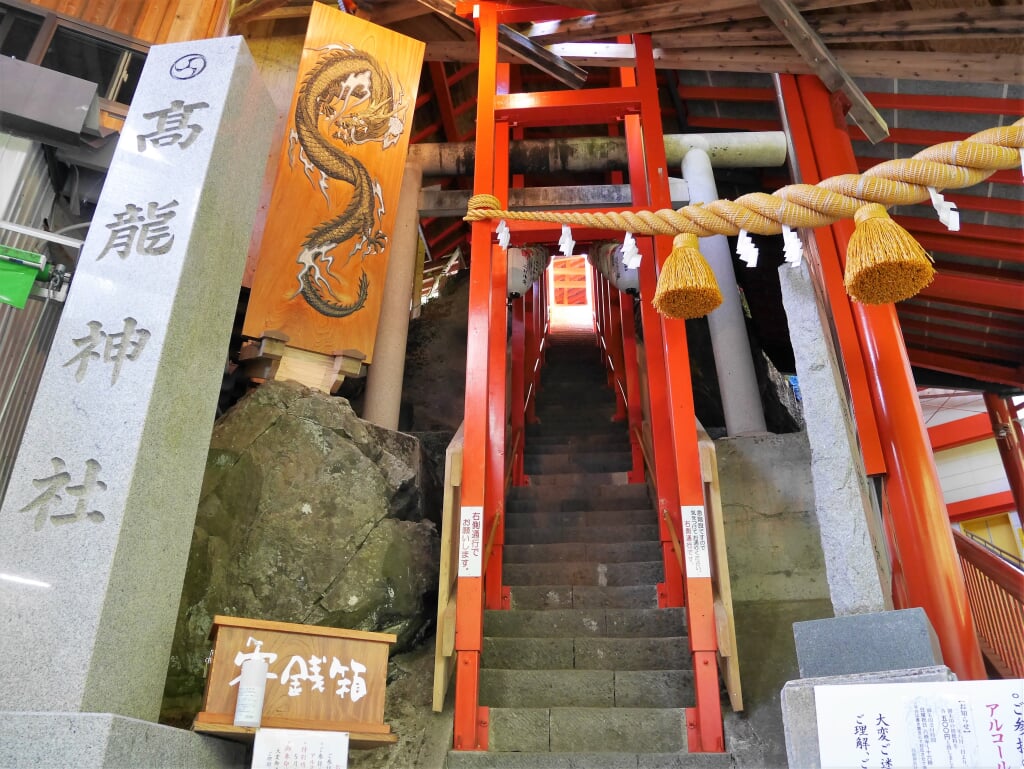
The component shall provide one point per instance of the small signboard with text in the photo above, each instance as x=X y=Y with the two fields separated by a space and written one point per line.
x=318 y=678
x=299 y=749
x=961 y=724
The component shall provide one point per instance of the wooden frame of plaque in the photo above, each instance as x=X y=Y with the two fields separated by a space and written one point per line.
x=319 y=678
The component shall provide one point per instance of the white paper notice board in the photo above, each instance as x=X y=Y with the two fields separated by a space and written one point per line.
x=961 y=724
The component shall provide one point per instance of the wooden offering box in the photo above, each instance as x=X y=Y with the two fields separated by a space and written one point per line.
x=320 y=678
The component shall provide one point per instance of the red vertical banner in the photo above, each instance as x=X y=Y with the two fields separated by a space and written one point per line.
x=325 y=247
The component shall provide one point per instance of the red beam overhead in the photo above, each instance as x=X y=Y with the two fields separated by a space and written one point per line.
x=978 y=292
x=940 y=317
x=982 y=231
x=960 y=432
x=592 y=106
x=734 y=124
x=953 y=243
x=972 y=352
x=980 y=507
x=950 y=364
x=995 y=205
x=715 y=93
x=961 y=105
x=965 y=333
x=443 y=95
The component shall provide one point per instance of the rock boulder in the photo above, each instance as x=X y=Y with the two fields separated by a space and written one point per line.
x=310 y=515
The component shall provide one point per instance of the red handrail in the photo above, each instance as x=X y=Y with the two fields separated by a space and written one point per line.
x=995 y=589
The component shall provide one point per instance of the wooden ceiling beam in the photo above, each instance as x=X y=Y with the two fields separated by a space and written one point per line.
x=517 y=44
x=659 y=18
x=392 y=13
x=243 y=13
x=889 y=65
x=814 y=51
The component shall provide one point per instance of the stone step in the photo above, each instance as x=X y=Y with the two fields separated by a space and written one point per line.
x=504 y=688
x=576 y=479
x=526 y=534
x=561 y=730
x=579 y=623
x=583 y=425
x=587 y=653
x=584 y=573
x=540 y=444
x=584 y=596
x=616 y=760
x=576 y=461
x=595 y=552
x=643 y=516
x=529 y=499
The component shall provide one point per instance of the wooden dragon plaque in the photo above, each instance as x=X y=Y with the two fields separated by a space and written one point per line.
x=324 y=252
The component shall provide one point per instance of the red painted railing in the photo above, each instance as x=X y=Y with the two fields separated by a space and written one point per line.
x=995 y=590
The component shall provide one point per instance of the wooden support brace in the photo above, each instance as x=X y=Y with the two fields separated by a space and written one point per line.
x=810 y=46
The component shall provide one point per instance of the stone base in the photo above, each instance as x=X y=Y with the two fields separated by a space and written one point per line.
x=108 y=741
x=800 y=719
x=866 y=643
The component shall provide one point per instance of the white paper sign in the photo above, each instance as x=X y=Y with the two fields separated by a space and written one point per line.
x=471 y=538
x=299 y=749
x=695 y=541
x=961 y=724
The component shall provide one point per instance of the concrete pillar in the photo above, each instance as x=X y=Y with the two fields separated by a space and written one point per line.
x=741 y=399
x=384 y=379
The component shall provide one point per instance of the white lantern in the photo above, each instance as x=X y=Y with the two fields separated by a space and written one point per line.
x=519 y=278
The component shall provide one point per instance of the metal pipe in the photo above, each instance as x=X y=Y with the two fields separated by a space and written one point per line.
x=604 y=153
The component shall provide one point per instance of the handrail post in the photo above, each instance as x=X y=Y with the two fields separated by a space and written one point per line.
x=470 y=719
x=531 y=345
x=670 y=592
x=630 y=367
x=704 y=723
x=519 y=362
x=615 y=352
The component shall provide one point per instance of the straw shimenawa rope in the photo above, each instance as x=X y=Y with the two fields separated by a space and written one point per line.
x=951 y=165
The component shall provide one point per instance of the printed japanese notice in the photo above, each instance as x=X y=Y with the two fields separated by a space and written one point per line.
x=299 y=749
x=956 y=724
x=471 y=538
x=695 y=541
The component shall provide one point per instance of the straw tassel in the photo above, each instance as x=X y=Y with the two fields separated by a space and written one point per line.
x=883 y=261
x=686 y=286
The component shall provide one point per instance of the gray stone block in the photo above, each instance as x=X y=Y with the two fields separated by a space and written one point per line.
x=617 y=597
x=866 y=643
x=518 y=729
x=654 y=688
x=798 y=707
x=659 y=730
x=550 y=623
x=107 y=741
x=547 y=688
x=664 y=653
x=646 y=622
x=528 y=653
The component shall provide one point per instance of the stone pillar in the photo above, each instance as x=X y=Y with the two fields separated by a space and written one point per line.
x=851 y=534
x=741 y=398
x=384 y=380
x=97 y=522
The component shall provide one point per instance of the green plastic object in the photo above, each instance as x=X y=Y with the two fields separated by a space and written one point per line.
x=18 y=271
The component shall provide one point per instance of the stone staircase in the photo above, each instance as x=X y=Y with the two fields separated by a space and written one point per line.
x=585 y=670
